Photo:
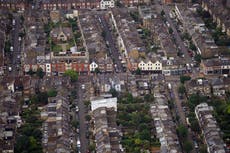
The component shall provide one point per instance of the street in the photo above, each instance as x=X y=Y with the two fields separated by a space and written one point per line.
x=16 y=53
x=81 y=114
x=111 y=43
x=179 y=110
x=179 y=41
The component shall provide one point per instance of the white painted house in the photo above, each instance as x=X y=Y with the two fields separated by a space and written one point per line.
x=105 y=4
x=150 y=66
x=93 y=66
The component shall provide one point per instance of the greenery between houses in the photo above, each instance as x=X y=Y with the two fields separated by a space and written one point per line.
x=136 y=122
x=221 y=113
x=7 y=46
x=29 y=135
x=182 y=132
x=220 y=37
x=135 y=16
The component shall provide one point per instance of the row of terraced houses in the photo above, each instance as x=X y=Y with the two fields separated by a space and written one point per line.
x=21 y=5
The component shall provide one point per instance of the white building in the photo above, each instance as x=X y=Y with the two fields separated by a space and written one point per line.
x=105 y=4
x=150 y=66
x=72 y=14
x=93 y=66
x=104 y=102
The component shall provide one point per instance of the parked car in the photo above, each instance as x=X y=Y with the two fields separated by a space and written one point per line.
x=77 y=109
x=78 y=143
x=83 y=86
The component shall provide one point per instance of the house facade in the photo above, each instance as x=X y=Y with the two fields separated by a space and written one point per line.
x=93 y=66
x=19 y=5
x=216 y=66
x=130 y=3
x=199 y=86
x=70 y=4
x=58 y=67
x=150 y=66
x=105 y=4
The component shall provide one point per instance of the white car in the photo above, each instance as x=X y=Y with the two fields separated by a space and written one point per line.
x=11 y=48
x=83 y=86
x=78 y=143
x=77 y=109
x=10 y=69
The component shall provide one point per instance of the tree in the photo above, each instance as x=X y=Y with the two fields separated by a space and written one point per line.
x=192 y=46
x=22 y=18
x=30 y=72
x=149 y=98
x=118 y=4
x=184 y=78
x=52 y=93
x=170 y=30
x=146 y=32
x=187 y=146
x=75 y=123
x=7 y=46
x=182 y=131
x=181 y=89
x=103 y=34
x=34 y=99
x=135 y=16
x=87 y=103
x=47 y=29
x=197 y=58
x=113 y=92
x=196 y=99
x=138 y=71
x=195 y=126
x=42 y=98
x=40 y=73
x=130 y=98
x=203 y=149
x=73 y=94
x=145 y=134
x=186 y=36
x=92 y=147
x=97 y=70
x=22 y=34
x=77 y=35
x=72 y=74
x=87 y=117
x=162 y=12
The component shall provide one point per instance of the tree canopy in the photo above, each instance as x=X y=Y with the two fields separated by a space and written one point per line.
x=72 y=74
